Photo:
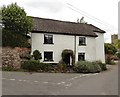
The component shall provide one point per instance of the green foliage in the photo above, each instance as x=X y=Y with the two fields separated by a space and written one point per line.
x=15 y=19
x=102 y=65
x=117 y=43
x=61 y=66
x=66 y=54
x=118 y=54
x=110 y=62
x=35 y=65
x=45 y=67
x=31 y=65
x=37 y=55
x=87 y=67
x=110 y=49
x=14 y=40
x=8 y=68
x=16 y=26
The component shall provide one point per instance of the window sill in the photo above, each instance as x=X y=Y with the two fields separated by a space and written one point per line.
x=48 y=60
x=49 y=43
x=81 y=44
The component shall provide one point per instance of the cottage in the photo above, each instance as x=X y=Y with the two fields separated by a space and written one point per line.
x=51 y=37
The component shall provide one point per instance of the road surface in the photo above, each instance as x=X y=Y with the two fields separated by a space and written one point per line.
x=23 y=83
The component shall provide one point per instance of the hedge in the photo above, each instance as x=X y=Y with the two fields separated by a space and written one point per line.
x=87 y=67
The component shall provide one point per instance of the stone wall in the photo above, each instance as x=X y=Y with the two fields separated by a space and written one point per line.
x=11 y=56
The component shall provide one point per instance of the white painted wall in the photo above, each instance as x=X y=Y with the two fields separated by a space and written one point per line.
x=94 y=49
x=61 y=42
x=89 y=49
x=100 y=53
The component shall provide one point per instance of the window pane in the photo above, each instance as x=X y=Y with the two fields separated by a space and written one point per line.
x=48 y=39
x=82 y=41
x=48 y=56
x=81 y=56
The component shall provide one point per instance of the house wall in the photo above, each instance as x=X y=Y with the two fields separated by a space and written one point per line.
x=61 y=42
x=100 y=53
x=94 y=49
x=89 y=49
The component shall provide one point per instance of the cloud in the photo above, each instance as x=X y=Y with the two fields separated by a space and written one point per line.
x=53 y=6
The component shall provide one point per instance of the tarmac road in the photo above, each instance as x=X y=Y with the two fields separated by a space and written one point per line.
x=23 y=83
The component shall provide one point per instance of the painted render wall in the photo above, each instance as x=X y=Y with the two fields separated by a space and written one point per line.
x=61 y=42
x=89 y=49
x=94 y=49
x=100 y=53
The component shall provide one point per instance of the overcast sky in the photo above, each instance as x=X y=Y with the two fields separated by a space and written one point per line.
x=101 y=13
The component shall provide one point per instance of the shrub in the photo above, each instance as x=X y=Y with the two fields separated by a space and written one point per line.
x=87 y=67
x=61 y=66
x=45 y=67
x=8 y=68
x=30 y=65
x=111 y=63
x=37 y=55
x=118 y=54
x=108 y=59
x=102 y=65
x=66 y=54
x=110 y=49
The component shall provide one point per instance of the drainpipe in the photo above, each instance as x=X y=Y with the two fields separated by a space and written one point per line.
x=75 y=47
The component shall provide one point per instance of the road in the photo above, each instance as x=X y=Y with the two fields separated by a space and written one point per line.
x=23 y=83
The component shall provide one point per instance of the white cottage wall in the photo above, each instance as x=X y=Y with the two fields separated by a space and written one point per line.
x=60 y=42
x=100 y=53
x=89 y=49
x=94 y=48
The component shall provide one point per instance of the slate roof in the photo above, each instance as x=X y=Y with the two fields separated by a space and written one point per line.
x=42 y=25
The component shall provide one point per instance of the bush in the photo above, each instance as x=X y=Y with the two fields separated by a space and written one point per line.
x=108 y=59
x=118 y=54
x=111 y=63
x=110 y=49
x=45 y=67
x=102 y=65
x=34 y=65
x=8 y=68
x=37 y=55
x=87 y=67
x=31 y=65
x=61 y=66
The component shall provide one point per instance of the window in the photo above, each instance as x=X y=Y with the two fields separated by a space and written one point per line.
x=82 y=41
x=48 y=56
x=48 y=39
x=81 y=56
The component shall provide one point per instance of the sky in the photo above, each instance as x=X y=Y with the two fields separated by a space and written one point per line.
x=101 y=13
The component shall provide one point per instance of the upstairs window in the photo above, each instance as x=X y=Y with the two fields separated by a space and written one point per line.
x=82 y=41
x=48 y=56
x=48 y=39
x=81 y=56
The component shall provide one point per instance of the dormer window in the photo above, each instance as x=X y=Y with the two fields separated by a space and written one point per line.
x=48 y=39
x=82 y=41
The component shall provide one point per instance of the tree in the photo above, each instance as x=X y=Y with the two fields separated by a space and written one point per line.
x=110 y=49
x=117 y=43
x=16 y=25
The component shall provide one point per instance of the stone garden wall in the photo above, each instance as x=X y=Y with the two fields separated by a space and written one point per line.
x=11 y=56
